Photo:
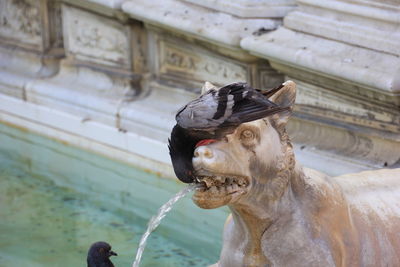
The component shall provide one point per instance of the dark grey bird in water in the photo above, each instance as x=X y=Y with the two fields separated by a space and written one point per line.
x=213 y=115
x=99 y=255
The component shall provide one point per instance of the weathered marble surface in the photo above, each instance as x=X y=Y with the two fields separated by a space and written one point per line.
x=370 y=68
x=345 y=58
x=29 y=43
x=114 y=4
x=370 y=24
x=22 y=21
x=249 y=8
x=185 y=63
x=97 y=39
x=216 y=27
x=97 y=75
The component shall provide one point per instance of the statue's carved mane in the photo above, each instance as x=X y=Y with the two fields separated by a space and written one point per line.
x=280 y=172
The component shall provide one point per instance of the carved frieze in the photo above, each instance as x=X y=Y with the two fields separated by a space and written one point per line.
x=20 y=21
x=191 y=63
x=344 y=108
x=95 y=38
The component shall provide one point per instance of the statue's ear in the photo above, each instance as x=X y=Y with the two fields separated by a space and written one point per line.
x=206 y=87
x=285 y=97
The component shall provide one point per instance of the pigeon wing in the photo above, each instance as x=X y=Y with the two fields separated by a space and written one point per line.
x=212 y=109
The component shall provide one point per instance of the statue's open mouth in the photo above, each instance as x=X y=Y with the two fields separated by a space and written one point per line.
x=218 y=190
x=222 y=184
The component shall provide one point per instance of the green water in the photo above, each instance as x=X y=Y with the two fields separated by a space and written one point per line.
x=55 y=200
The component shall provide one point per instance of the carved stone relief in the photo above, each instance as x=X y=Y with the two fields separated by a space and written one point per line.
x=345 y=108
x=94 y=38
x=192 y=63
x=20 y=20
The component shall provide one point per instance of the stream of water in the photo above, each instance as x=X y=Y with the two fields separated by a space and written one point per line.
x=155 y=220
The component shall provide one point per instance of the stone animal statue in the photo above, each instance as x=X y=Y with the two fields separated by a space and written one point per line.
x=285 y=215
x=216 y=113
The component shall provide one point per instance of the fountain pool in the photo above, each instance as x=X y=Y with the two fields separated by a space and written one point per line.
x=55 y=200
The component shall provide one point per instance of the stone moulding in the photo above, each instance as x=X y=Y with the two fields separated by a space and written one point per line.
x=188 y=63
x=359 y=145
x=113 y=4
x=362 y=23
x=30 y=42
x=348 y=88
x=21 y=21
x=216 y=27
x=368 y=68
x=98 y=74
x=132 y=148
x=93 y=38
x=31 y=25
x=185 y=63
x=249 y=8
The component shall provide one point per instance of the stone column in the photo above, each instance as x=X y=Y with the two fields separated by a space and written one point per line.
x=345 y=57
x=30 y=43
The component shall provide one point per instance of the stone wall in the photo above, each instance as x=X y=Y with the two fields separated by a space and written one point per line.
x=113 y=73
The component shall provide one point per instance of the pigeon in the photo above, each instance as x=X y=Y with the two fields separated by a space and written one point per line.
x=99 y=255
x=213 y=115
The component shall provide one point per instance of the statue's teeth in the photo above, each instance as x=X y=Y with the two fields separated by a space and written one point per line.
x=219 y=179
x=223 y=179
x=207 y=181
x=214 y=189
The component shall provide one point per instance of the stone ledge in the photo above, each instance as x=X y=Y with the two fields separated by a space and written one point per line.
x=73 y=90
x=197 y=21
x=132 y=148
x=154 y=114
x=18 y=68
x=114 y=4
x=249 y=8
x=359 y=145
x=368 y=68
x=362 y=23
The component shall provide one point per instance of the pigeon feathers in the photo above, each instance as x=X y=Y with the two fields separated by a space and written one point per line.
x=99 y=255
x=213 y=115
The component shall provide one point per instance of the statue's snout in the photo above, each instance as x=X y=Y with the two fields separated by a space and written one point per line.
x=203 y=152
x=204 y=157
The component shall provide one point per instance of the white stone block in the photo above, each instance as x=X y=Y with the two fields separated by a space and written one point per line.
x=18 y=67
x=86 y=93
x=369 y=68
x=96 y=39
x=348 y=98
x=108 y=141
x=114 y=4
x=20 y=21
x=249 y=8
x=363 y=23
x=189 y=62
x=154 y=115
x=203 y=23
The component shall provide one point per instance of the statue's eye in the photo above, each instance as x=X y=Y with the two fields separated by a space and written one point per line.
x=247 y=135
